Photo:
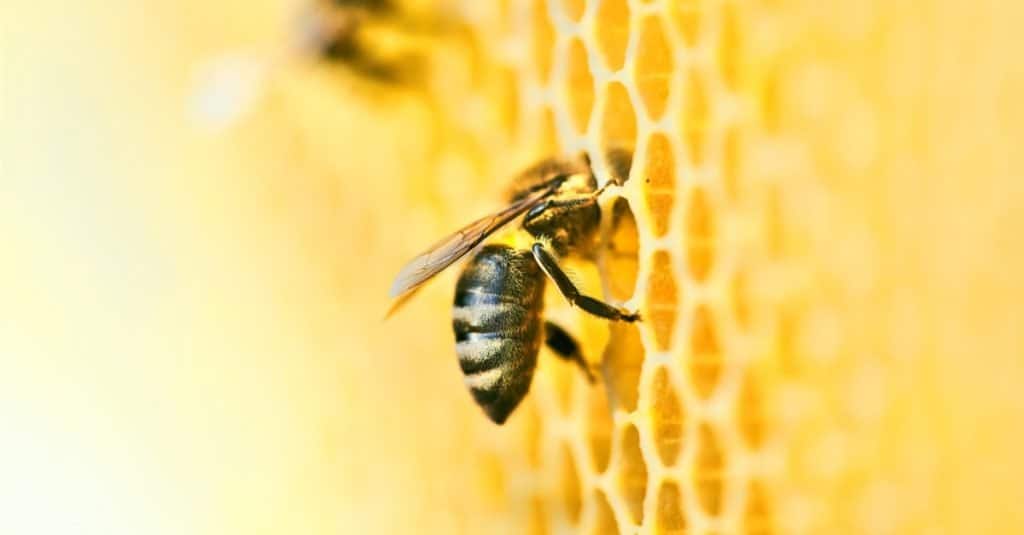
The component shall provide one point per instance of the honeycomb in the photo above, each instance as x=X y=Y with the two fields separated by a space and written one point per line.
x=821 y=230
x=676 y=438
x=737 y=404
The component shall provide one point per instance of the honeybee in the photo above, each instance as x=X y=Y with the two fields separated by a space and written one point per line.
x=380 y=41
x=376 y=39
x=499 y=295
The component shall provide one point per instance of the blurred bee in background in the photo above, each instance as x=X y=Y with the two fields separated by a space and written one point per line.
x=377 y=39
x=380 y=41
x=499 y=296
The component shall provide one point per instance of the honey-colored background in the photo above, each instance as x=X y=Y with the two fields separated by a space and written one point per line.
x=191 y=337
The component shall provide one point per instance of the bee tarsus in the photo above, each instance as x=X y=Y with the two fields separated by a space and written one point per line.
x=572 y=294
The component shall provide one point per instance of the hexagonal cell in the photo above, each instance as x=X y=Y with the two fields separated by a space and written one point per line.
x=732 y=152
x=547 y=141
x=660 y=177
x=705 y=360
x=618 y=120
x=613 y=32
x=708 y=472
x=623 y=360
x=653 y=71
x=579 y=87
x=562 y=375
x=570 y=486
x=574 y=8
x=633 y=474
x=667 y=418
x=749 y=412
x=622 y=250
x=770 y=100
x=687 y=15
x=538 y=517
x=671 y=518
x=700 y=234
x=785 y=341
x=695 y=119
x=740 y=300
x=729 y=46
x=599 y=427
x=605 y=523
x=543 y=39
x=773 y=233
x=531 y=431
x=662 y=299
x=757 y=514
x=492 y=479
x=506 y=95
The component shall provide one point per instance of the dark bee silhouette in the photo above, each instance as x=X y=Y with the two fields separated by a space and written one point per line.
x=377 y=39
x=388 y=44
x=499 y=296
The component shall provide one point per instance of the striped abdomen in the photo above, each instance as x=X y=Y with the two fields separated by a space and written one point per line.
x=497 y=326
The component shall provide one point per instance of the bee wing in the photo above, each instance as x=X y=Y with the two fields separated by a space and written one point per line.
x=445 y=252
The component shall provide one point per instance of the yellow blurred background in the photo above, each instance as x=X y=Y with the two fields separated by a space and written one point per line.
x=191 y=337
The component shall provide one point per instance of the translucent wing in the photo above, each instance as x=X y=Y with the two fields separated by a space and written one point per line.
x=445 y=252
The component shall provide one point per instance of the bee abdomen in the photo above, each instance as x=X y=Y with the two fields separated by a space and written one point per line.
x=498 y=373
x=484 y=351
x=482 y=320
x=496 y=320
x=497 y=351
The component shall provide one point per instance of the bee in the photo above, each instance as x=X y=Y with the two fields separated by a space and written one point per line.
x=380 y=40
x=498 y=305
x=384 y=42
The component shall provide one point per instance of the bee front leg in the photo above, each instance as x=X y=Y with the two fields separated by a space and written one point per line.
x=566 y=347
x=592 y=305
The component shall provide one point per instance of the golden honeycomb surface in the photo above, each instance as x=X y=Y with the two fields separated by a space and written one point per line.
x=821 y=230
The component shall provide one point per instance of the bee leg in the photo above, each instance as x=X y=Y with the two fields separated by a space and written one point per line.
x=594 y=306
x=566 y=347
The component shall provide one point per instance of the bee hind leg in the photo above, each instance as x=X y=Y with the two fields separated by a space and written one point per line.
x=592 y=305
x=566 y=347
